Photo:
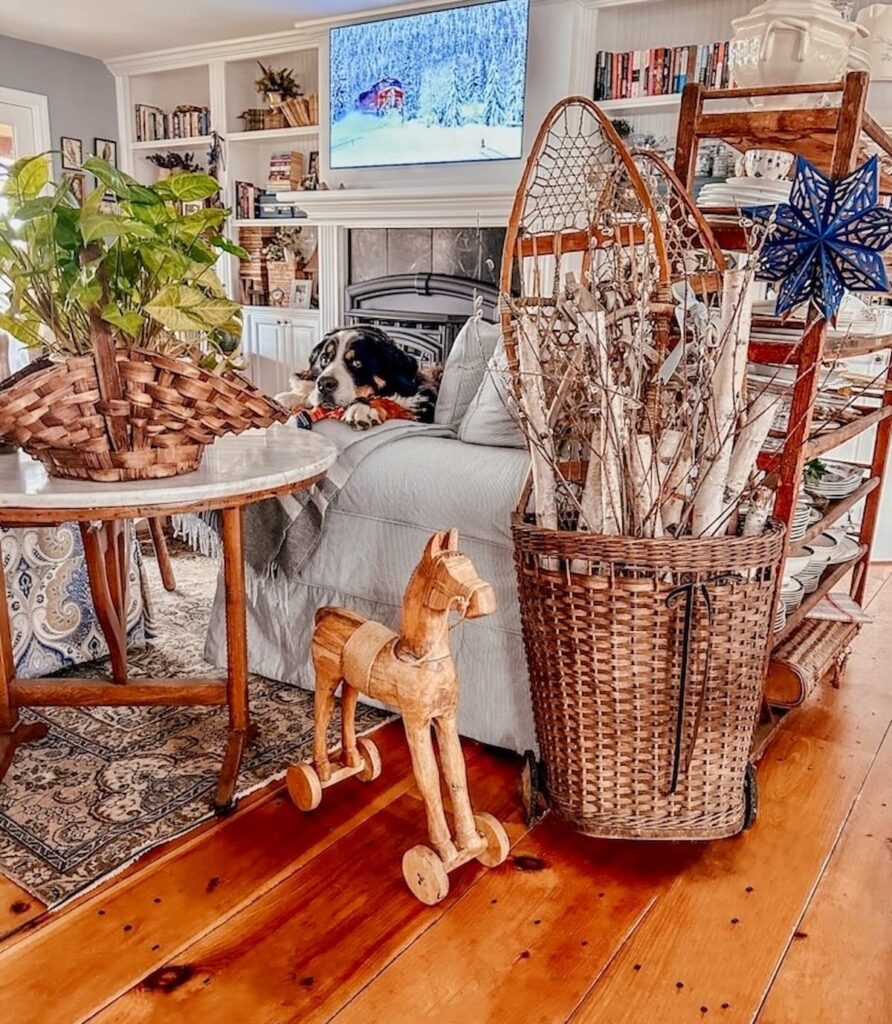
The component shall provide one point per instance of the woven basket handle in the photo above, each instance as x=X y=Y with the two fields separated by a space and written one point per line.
x=114 y=407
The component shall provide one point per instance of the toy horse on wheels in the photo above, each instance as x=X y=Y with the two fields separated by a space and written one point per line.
x=414 y=672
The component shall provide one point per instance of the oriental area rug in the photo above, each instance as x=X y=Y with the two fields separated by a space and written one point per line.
x=108 y=784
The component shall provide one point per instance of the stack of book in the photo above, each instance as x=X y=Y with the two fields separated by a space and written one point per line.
x=285 y=172
x=187 y=121
x=660 y=71
x=245 y=200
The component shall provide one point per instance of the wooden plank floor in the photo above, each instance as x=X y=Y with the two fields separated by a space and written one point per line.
x=272 y=916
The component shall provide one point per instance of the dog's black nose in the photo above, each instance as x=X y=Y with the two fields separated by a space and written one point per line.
x=326 y=385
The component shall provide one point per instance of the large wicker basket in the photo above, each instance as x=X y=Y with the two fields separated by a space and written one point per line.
x=646 y=662
x=126 y=414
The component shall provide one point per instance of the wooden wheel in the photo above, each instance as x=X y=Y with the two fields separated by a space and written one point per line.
x=497 y=844
x=304 y=786
x=371 y=760
x=425 y=875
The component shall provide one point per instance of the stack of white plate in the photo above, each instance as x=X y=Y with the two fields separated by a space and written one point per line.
x=842 y=547
x=743 y=192
x=839 y=481
x=796 y=561
x=792 y=592
x=804 y=516
x=811 y=575
x=780 y=617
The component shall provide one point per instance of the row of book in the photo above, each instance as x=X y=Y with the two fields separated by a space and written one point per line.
x=660 y=71
x=252 y=203
x=185 y=122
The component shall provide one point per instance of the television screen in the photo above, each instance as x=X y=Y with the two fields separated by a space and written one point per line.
x=438 y=87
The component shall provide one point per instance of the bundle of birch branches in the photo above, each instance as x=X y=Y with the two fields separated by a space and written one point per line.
x=649 y=402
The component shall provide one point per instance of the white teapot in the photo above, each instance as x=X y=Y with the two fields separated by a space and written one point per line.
x=877 y=20
x=791 y=42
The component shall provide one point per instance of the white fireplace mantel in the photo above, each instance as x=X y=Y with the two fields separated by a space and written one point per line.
x=405 y=207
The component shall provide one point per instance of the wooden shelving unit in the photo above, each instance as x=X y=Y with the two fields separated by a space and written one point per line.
x=837 y=139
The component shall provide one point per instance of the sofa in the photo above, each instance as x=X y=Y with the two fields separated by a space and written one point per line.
x=466 y=471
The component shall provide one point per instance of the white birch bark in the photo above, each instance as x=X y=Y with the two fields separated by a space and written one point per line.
x=532 y=395
x=760 y=510
x=724 y=397
x=674 y=467
x=645 y=485
x=749 y=443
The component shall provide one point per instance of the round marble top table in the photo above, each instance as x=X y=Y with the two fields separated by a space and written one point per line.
x=235 y=471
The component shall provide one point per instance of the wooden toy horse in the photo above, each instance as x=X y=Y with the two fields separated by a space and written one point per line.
x=414 y=672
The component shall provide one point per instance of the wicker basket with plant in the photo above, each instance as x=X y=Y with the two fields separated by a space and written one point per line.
x=136 y=333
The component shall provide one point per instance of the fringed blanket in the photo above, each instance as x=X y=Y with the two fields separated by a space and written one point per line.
x=281 y=534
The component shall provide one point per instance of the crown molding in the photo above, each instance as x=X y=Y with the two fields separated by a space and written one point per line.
x=304 y=35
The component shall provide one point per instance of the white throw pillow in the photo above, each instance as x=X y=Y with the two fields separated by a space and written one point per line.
x=492 y=417
x=465 y=369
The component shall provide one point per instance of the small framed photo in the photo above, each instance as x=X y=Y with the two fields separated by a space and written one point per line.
x=78 y=188
x=313 y=163
x=107 y=150
x=72 y=154
x=301 y=294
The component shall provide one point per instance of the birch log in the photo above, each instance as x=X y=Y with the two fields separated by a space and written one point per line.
x=602 y=495
x=541 y=440
x=674 y=467
x=749 y=443
x=645 y=498
x=723 y=403
x=760 y=510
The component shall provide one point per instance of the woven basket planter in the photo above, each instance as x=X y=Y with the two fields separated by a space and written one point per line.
x=126 y=414
x=635 y=744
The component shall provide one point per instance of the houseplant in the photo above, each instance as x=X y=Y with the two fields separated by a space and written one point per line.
x=646 y=594
x=135 y=324
x=277 y=85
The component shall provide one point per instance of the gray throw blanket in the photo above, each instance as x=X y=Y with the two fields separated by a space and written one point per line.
x=282 y=533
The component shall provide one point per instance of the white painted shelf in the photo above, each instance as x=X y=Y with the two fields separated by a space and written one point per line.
x=647 y=103
x=271 y=134
x=190 y=143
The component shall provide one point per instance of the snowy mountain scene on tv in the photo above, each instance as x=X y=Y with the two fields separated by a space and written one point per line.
x=440 y=87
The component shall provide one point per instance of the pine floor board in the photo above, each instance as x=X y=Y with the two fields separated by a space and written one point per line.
x=838 y=966
x=85 y=956
x=528 y=942
x=303 y=948
x=17 y=908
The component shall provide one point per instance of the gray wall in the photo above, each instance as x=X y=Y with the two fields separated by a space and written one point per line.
x=80 y=90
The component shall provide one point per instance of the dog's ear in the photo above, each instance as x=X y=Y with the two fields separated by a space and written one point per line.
x=313 y=372
x=398 y=367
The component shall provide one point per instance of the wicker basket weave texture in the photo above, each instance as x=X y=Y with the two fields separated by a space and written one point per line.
x=804 y=658
x=604 y=649
x=169 y=410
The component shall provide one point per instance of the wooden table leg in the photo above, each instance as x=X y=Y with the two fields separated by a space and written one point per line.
x=159 y=542
x=108 y=564
x=236 y=656
x=13 y=733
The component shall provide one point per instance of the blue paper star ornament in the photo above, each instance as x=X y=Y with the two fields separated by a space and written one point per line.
x=827 y=239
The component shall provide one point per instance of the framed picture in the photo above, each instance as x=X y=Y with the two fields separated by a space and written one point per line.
x=313 y=163
x=301 y=294
x=78 y=188
x=107 y=150
x=72 y=154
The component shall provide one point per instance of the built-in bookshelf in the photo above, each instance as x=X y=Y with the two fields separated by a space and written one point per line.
x=660 y=71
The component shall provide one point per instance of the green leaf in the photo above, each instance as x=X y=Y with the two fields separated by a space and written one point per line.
x=111 y=225
x=86 y=293
x=130 y=322
x=33 y=208
x=203 y=277
x=113 y=179
x=154 y=216
x=28 y=177
x=189 y=188
x=26 y=331
x=181 y=308
x=224 y=244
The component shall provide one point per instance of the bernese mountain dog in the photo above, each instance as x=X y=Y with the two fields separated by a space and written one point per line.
x=361 y=371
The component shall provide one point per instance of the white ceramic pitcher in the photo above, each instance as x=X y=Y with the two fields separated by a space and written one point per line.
x=877 y=19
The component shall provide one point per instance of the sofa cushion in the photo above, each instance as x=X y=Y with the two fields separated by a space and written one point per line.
x=491 y=418
x=465 y=369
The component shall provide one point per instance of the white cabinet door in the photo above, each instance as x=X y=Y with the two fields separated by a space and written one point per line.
x=274 y=345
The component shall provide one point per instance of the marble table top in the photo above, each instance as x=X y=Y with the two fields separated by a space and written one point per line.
x=254 y=462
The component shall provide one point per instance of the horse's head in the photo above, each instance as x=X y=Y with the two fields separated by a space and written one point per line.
x=452 y=579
